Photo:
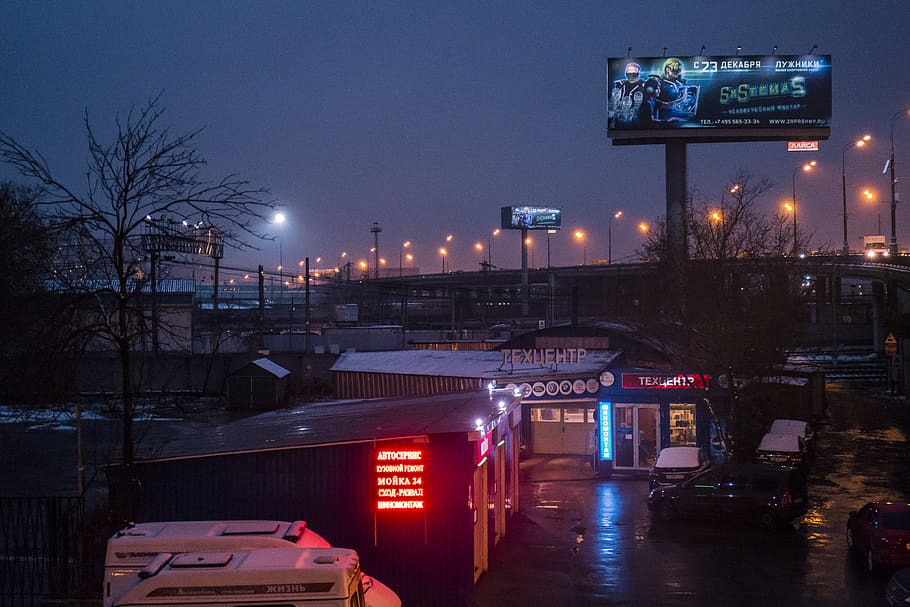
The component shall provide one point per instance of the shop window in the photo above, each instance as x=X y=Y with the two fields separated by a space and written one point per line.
x=574 y=416
x=682 y=425
x=539 y=414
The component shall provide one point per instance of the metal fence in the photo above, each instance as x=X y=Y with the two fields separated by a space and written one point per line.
x=43 y=552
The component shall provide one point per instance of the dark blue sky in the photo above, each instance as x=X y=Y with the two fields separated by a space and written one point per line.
x=427 y=117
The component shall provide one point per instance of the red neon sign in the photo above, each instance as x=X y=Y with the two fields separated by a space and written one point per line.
x=400 y=475
x=665 y=381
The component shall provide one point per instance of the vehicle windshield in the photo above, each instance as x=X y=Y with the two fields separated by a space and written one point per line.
x=896 y=520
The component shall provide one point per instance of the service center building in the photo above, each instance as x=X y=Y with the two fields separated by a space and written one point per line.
x=642 y=411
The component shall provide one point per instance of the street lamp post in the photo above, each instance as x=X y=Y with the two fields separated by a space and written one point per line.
x=550 y=232
x=406 y=244
x=858 y=143
x=893 y=244
x=806 y=168
x=580 y=237
x=613 y=216
x=490 y=247
x=870 y=196
x=280 y=218
x=443 y=253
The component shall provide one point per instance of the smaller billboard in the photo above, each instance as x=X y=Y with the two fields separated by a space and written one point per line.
x=531 y=218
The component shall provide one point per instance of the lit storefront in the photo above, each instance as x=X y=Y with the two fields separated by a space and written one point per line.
x=639 y=412
x=559 y=386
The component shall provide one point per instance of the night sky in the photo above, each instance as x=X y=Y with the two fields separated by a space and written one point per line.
x=427 y=117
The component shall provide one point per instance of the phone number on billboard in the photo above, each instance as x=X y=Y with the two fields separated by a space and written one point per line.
x=730 y=121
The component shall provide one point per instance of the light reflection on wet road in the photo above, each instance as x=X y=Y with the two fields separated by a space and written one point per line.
x=587 y=541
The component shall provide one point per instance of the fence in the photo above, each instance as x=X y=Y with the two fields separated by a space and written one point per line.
x=43 y=550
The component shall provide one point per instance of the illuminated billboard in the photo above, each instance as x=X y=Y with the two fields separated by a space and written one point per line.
x=532 y=218
x=723 y=98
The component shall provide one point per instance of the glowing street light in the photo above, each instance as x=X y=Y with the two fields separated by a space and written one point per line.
x=490 y=246
x=805 y=169
x=858 y=143
x=405 y=245
x=478 y=246
x=443 y=253
x=870 y=196
x=580 y=237
x=279 y=220
x=613 y=216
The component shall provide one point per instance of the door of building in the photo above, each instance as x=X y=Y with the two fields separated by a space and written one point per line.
x=563 y=430
x=637 y=435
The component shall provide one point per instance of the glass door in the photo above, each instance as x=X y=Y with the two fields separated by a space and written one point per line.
x=637 y=435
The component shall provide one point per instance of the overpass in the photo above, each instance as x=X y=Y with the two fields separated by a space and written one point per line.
x=847 y=299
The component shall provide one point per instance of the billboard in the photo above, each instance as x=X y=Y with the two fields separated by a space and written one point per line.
x=722 y=98
x=532 y=218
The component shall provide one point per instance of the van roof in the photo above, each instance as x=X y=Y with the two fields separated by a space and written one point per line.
x=277 y=574
x=138 y=542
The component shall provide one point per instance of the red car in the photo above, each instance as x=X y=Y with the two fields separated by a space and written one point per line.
x=880 y=533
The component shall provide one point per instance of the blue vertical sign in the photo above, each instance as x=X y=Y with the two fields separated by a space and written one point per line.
x=606 y=430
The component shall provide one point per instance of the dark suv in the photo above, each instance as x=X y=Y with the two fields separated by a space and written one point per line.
x=766 y=494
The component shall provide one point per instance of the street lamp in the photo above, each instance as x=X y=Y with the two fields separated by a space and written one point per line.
x=443 y=253
x=340 y=258
x=490 y=246
x=550 y=232
x=529 y=242
x=613 y=216
x=893 y=244
x=580 y=237
x=405 y=245
x=279 y=219
x=870 y=196
x=858 y=143
x=478 y=246
x=806 y=168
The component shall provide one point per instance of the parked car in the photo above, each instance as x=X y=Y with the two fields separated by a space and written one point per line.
x=897 y=592
x=768 y=495
x=797 y=427
x=785 y=450
x=879 y=532
x=676 y=464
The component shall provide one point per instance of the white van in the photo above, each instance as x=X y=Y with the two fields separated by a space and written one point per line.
x=292 y=577
x=136 y=546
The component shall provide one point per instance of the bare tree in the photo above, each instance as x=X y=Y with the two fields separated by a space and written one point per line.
x=145 y=172
x=740 y=319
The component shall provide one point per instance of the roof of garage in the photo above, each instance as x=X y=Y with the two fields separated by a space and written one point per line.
x=325 y=423
x=456 y=363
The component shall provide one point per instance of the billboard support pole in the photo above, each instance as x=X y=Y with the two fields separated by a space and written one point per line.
x=525 y=291
x=677 y=249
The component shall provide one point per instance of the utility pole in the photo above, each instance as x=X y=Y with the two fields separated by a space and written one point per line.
x=376 y=230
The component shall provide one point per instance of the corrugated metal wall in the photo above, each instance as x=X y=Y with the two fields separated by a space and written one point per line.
x=357 y=384
x=427 y=560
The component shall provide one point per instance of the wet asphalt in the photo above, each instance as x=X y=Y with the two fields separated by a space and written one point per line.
x=580 y=540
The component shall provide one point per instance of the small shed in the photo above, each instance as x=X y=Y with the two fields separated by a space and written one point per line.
x=260 y=384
